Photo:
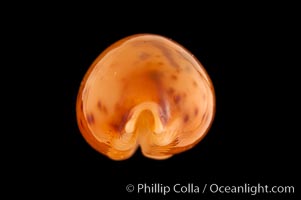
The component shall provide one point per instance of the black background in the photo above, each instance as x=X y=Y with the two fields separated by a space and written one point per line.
x=251 y=60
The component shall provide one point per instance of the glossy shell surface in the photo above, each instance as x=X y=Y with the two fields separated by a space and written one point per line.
x=145 y=90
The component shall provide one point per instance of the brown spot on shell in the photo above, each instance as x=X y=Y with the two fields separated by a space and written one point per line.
x=174 y=77
x=196 y=111
x=116 y=127
x=171 y=91
x=105 y=110
x=102 y=107
x=177 y=99
x=186 y=118
x=99 y=104
x=90 y=119
x=119 y=125
x=167 y=53
x=155 y=75
x=143 y=56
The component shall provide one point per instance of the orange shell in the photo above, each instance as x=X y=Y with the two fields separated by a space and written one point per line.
x=145 y=90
